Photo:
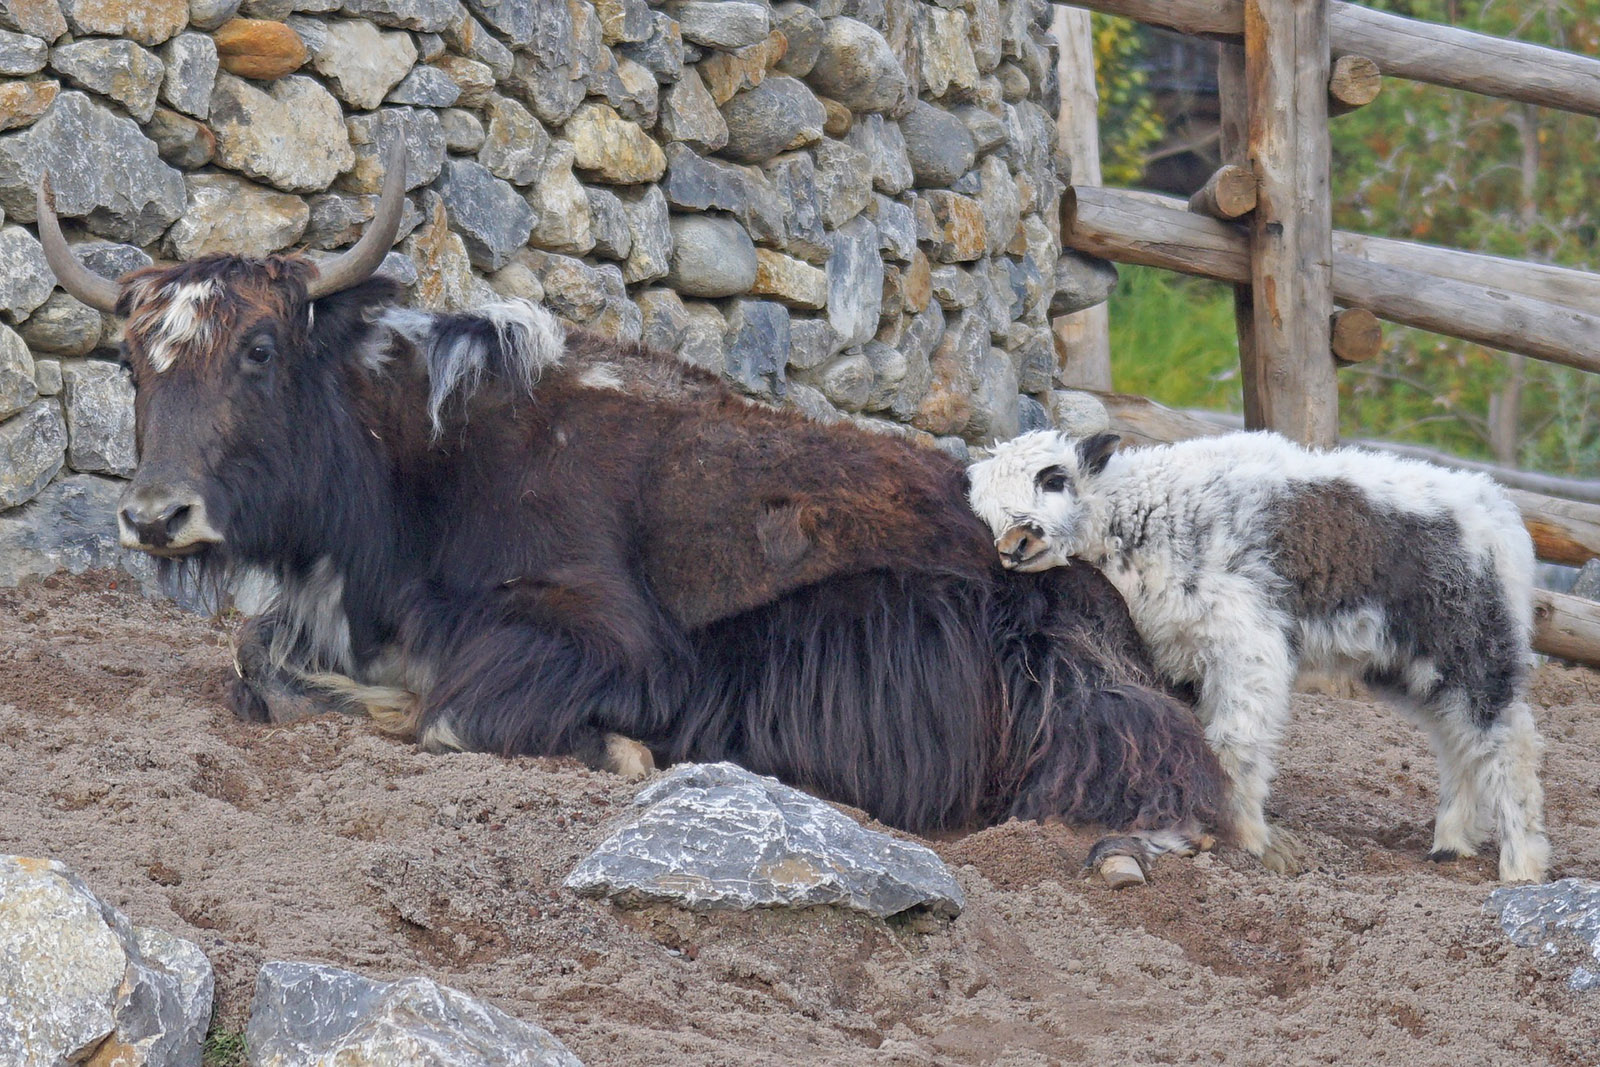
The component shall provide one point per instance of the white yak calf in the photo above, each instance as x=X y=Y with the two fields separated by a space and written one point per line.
x=1245 y=558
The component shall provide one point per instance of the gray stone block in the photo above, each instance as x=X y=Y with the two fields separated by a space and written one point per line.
x=717 y=837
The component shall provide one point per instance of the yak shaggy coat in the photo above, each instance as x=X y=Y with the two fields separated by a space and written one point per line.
x=1245 y=558
x=551 y=540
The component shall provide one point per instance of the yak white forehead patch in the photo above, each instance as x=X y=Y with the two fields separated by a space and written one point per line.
x=175 y=317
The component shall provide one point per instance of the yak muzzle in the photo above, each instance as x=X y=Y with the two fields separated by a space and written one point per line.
x=1020 y=545
x=165 y=521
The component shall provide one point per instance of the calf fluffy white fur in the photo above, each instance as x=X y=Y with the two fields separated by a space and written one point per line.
x=1245 y=558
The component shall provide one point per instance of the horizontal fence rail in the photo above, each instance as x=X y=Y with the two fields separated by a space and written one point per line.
x=1160 y=231
x=1406 y=48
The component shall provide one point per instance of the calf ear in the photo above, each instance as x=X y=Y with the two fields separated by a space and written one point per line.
x=1095 y=452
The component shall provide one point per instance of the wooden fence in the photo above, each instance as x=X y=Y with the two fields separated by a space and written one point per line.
x=1308 y=298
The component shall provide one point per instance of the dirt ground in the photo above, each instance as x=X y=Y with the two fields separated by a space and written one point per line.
x=323 y=840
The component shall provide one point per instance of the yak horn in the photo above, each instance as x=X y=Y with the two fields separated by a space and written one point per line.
x=364 y=257
x=78 y=280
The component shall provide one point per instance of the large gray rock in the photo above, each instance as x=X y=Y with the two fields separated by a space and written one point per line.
x=775 y=116
x=945 y=44
x=361 y=62
x=1587 y=582
x=25 y=277
x=846 y=381
x=881 y=141
x=292 y=137
x=21 y=54
x=425 y=87
x=897 y=227
x=562 y=219
x=18 y=387
x=703 y=342
x=855 y=283
x=61 y=326
x=661 y=50
x=1077 y=413
x=995 y=413
x=724 y=24
x=516 y=19
x=463 y=131
x=794 y=177
x=649 y=232
x=515 y=143
x=844 y=183
x=190 y=61
x=1081 y=281
x=940 y=147
x=757 y=346
x=430 y=16
x=71 y=525
x=183 y=142
x=33 y=446
x=711 y=256
x=228 y=214
x=76 y=974
x=1532 y=914
x=103 y=169
x=690 y=115
x=120 y=70
x=311 y=1013
x=856 y=67
x=717 y=837
x=37 y=18
x=372 y=132
x=491 y=216
x=611 y=237
x=99 y=402
x=803 y=30
x=695 y=183
x=209 y=14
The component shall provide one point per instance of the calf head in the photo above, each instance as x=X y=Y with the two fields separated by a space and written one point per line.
x=1035 y=492
x=225 y=373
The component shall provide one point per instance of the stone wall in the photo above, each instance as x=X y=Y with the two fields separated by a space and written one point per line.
x=848 y=206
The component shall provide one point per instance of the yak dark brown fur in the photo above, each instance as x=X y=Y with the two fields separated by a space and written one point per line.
x=601 y=540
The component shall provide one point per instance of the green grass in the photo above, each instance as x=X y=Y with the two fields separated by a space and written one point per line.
x=1172 y=340
x=223 y=1048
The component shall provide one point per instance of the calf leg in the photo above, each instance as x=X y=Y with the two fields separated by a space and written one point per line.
x=1244 y=703
x=1489 y=776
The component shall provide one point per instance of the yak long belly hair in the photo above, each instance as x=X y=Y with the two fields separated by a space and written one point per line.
x=932 y=702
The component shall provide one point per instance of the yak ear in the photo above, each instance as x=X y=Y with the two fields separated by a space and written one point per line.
x=1095 y=452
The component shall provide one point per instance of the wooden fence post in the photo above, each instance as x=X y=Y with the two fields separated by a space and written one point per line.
x=1291 y=231
x=1234 y=127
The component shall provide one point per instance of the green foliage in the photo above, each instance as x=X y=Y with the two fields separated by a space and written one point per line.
x=223 y=1048
x=1425 y=163
x=1173 y=339
x=1129 y=122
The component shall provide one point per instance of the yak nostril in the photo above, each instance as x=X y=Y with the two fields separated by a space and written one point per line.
x=176 y=519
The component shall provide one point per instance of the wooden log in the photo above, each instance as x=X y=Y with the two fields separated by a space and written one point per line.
x=1162 y=232
x=1233 y=128
x=1357 y=335
x=1563 y=531
x=1229 y=193
x=1406 y=48
x=1567 y=627
x=1565 y=286
x=1083 y=338
x=1354 y=83
x=1291 y=231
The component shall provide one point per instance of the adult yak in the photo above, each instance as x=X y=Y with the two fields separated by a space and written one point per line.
x=552 y=538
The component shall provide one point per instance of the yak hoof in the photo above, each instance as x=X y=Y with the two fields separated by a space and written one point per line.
x=1284 y=854
x=1120 y=872
x=627 y=757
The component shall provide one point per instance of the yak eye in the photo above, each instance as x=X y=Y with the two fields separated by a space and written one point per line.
x=261 y=351
x=1052 y=480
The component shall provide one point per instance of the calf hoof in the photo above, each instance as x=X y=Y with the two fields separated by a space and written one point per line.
x=1120 y=872
x=627 y=757
x=1443 y=855
x=1284 y=854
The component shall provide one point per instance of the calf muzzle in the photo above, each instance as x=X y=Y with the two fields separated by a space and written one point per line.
x=165 y=521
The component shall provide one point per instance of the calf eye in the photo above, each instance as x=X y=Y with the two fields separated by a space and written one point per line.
x=260 y=351
x=1052 y=480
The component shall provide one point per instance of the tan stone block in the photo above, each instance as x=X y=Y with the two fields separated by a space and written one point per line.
x=258 y=48
x=21 y=103
x=727 y=74
x=790 y=281
x=917 y=283
x=839 y=119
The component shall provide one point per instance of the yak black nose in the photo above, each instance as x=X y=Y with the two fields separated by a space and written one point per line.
x=164 y=521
